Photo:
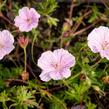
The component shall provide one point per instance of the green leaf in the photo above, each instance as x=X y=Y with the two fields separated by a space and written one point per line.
x=52 y=21
x=91 y=106
x=46 y=7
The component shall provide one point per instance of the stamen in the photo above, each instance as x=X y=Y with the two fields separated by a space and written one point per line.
x=105 y=45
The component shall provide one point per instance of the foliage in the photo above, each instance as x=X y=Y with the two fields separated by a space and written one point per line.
x=59 y=27
x=47 y=7
x=6 y=73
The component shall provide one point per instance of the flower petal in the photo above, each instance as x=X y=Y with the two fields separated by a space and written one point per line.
x=66 y=73
x=46 y=60
x=24 y=12
x=44 y=76
x=56 y=75
x=66 y=59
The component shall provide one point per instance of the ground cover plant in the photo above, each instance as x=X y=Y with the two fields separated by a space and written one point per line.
x=54 y=54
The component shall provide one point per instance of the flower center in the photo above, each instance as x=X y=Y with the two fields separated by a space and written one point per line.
x=105 y=45
x=57 y=66
x=1 y=46
x=29 y=21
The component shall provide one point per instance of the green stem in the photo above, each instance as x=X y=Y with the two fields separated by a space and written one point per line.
x=35 y=34
x=76 y=75
x=65 y=82
x=25 y=59
x=4 y=105
x=2 y=5
x=61 y=41
x=96 y=63
x=32 y=49
x=60 y=101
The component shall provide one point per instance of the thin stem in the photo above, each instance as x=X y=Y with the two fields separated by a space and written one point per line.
x=58 y=100
x=25 y=59
x=77 y=25
x=84 y=29
x=54 y=97
x=81 y=101
x=61 y=41
x=6 y=19
x=104 y=2
x=66 y=84
x=96 y=63
x=2 y=5
x=32 y=72
x=76 y=75
x=32 y=49
x=35 y=34
x=71 y=9
x=4 y=105
x=16 y=80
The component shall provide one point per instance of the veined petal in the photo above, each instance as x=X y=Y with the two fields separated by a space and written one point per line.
x=46 y=60
x=66 y=73
x=45 y=76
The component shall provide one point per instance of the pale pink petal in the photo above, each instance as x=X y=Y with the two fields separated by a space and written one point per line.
x=7 y=37
x=24 y=12
x=35 y=17
x=1 y=56
x=2 y=53
x=34 y=13
x=18 y=21
x=66 y=73
x=46 y=60
x=98 y=33
x=8 y=49
x=104 y=54
x=45 y=76
x=25 y=28
x=56 y=75
x=65 y=58
x=22 y=24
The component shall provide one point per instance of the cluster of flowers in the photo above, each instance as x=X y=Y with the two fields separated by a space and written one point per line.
x=55 y=65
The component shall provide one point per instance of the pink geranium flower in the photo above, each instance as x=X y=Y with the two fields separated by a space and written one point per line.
x=98 y=41
x=27 y=20
x=56 y=65
x=6 y=43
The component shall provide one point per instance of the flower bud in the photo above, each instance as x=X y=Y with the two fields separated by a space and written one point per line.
x=66 y=27
x=23 y=42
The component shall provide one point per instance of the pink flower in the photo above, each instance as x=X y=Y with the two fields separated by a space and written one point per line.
x=98 y=41
x=27 y=19
x=6 y=43
x=56 y=65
